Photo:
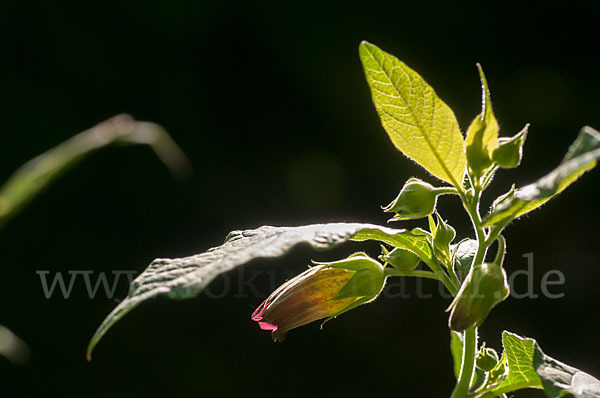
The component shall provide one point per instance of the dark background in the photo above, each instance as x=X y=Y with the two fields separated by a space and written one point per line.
x=270 y=104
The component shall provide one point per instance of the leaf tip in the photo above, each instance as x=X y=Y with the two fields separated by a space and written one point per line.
x=364 y=47
x=88 y=353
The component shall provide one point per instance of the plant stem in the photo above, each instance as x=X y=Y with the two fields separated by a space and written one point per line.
x=468 y=363
x=501 y=250
x=442 y=275
x=467 y=369
x=416 y=272
x=446 y=190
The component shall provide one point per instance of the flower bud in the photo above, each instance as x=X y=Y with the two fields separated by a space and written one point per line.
x=485 y=286
x=443 y=234
x=499 y=372
x=510 y=150
x=401 y=259
x=487 y=358
x=323 y=291
x=417 y=199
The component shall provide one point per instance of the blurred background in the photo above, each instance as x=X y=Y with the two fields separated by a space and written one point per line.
x=270 y=104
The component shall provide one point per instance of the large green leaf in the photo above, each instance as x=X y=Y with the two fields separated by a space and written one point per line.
x=182 y=278
x=35 y=175
x=529 y=367
x=582 y=156
x=417 y=121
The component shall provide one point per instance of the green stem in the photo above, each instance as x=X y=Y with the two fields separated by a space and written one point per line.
x=494 y=232
x=499 y=259
x=442 y=275
x=446 y=190
x=454 y=277
x=468 y=363
x=470 y=335
x=416 y=272
x=487 y=178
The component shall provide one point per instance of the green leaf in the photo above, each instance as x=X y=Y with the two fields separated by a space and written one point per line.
x=529 y=367
x=456 y=347
x=482 y=134
x=463 y=254
x=417 y=121
x=414 y=241
x=581 y=157
x=521 y=373
x=182 y=278
x=38 y=173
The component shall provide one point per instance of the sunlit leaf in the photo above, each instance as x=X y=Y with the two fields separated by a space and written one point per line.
x=521 y=373
x=529 y=367
x=482 y=134
x=417 y=121
x=581 y=157
x=413 y=241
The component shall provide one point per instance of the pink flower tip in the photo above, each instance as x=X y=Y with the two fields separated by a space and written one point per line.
x=267 y=326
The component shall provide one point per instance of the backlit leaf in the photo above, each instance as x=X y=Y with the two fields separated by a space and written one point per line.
x=581 y=157
x=417 y=121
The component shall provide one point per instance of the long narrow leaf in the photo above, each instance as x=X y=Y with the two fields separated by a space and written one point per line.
x=35 y=175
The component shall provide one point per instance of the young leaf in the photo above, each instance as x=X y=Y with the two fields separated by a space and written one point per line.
x=463 y=254
x=529 y=367
x=417 y=121
x=581 y=157
x=186 y=277
x=482 y=134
